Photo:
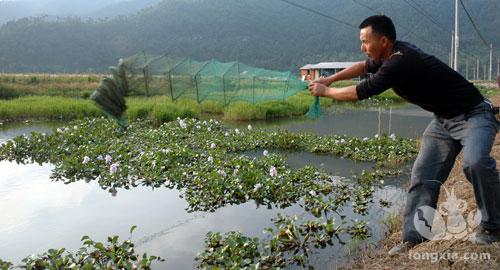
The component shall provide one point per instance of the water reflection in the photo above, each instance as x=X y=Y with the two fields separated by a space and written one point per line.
x=409 y=121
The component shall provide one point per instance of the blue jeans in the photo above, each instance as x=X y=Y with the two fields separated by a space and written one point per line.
x=473 y=133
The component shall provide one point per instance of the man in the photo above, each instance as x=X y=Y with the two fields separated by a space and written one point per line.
x=463 y=121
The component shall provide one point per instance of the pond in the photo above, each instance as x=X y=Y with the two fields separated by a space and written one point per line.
x=38 y=214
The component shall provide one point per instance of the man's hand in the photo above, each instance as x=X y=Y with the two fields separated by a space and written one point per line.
x=345 y=93
x=324 y=81
x=318 y=89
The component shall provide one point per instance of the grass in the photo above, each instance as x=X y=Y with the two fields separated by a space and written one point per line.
x=53 y=108
x=65 y=85
x=159 y=109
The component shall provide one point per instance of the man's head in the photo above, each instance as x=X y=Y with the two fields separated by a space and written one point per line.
x=377 y=36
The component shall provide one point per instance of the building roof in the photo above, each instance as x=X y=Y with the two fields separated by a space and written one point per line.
x=328 y=65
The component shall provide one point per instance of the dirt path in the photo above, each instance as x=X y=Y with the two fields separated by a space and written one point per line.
x=444 y=254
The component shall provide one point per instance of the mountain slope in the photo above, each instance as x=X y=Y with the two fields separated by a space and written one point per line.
x=269 y=34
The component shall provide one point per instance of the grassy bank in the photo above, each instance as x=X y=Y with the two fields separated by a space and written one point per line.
x=65 y=85
x=65 y=97
x=158 y=109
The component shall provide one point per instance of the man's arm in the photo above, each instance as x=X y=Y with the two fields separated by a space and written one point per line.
x=353 y=71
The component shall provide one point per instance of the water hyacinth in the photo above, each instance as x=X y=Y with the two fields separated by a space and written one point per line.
x=265 y=153
x=249 y=127
x=108 y=159
x=273 y=171
x=212 y=145
x=257 y=187
x=85 y=160
x=182 y=124
x=113 y=168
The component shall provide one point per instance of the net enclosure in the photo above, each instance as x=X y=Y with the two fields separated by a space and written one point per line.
x=206 y=80
x=150 y=75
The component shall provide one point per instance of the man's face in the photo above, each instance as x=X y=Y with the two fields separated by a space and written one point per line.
x=372 y=44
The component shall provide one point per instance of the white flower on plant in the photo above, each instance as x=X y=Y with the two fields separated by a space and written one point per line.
x=382 y=182
x=312 y=193
x=365 y=139
x=342 y=141
x=257 y=187
x=99 y=157
x=212 y=145
x=265 y=153
x=226 y=134
x=376 y=136
x=237 y=131
x=113 y=168
x=273 y=171
x=182 y=124
x=235 y=172
x=209 y=129
x=210 y=159
x=85 y=160
x=393 y=136
x=75 y=127
x=249 y=127
x=108 y=159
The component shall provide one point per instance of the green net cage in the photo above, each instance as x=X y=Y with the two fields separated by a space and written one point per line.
x=152 y=75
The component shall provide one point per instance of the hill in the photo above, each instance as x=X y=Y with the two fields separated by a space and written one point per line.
x=269 y=34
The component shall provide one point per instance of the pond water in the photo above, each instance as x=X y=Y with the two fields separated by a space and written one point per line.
x=37 y=214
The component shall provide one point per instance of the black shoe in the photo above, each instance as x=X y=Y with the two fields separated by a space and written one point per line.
x=486 y=237
x=401 y=248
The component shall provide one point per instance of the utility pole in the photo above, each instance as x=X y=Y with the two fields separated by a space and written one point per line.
x=498 y=66
x=491 y=59
x=473 y=71
x=477 y=70
x=467 y=69
x=455 y=58
x=484 y=73
x=452 y=47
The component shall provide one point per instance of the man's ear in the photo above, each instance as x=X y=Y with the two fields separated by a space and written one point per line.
x=384 y=40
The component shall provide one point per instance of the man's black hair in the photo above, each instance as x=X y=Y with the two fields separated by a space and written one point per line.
x=380 y=24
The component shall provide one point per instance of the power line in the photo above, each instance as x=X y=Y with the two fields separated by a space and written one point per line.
x=473 y=24
x=445 y=51
x=409 y=31
x=318 y=13
x=420 y=10
x=368 y=7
